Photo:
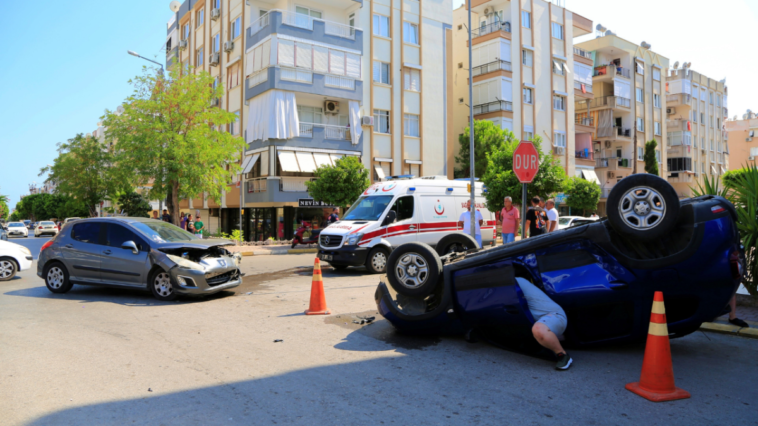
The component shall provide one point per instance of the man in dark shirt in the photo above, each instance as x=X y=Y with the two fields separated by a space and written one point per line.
x=534 y=222
x=166 y=217
x=334 y=217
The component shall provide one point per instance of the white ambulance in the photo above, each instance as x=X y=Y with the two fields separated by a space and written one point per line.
x=401 y=210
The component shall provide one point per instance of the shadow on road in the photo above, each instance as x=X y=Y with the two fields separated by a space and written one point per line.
x=118 y=296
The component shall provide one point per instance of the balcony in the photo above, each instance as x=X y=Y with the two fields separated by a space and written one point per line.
x=256 y=185
x=490 y=31
x=171 y=57
x=623 y=132
x=493 y=107
x=682 y=176
x=585 y=154
x=613 y=163
x=305 y=81
x=338 y=133
x=280 y=189
x=609 y=71
x=582 y=90
x=584 y=125
x=491 y=67
x=583 y=56
x=679 y=99
x=304 y=27
x=605 y=192
x=610 y=102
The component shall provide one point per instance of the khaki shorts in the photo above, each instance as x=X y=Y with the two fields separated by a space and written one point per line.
x=555 y=322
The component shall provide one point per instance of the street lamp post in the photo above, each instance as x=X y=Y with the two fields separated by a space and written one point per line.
x=472 y=215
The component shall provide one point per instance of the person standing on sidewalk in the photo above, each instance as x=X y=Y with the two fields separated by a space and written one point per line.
x=733 y=314
x=534 y=222
x=465 y=222
x=166 y=217
x=199 y=225
x=509 y=219
x=552 y=216
x=334 y=217
x=183 y=221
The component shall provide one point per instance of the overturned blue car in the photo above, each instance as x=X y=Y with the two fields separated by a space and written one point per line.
x=603 y=274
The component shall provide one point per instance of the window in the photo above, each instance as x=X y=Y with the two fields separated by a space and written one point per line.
x=186 y=32
x=300 y=10
x=217 y=4
x=308 y=114
x=526 y=57
x=117 y=235
x=718 y=123
x=702 y=167
x=718 y=101
x=710 y=97
x=640 y=94
x=233 y=76
x=199 y=57
x=711 y=144
x=410 y=33
x=528 y=98
x=217 y=42
x=559 y=103
x=702 y=141
x=236 y=29
x=88 y=232
x=657 y=127
x=557 y=31
x=410 y=125
x=528 y=135
x=640 y=68
x=640 y=124
x=640 y=153
x=526 y=19
x=381 y=121
x=199 y=17
x=403 y=207
x=752 y=132
x=412 y=79
x=381 y=25
x=702 y=117
x=656 y=74
x=754 y=152
x=558 y=67
x=679 y=164
x=235 y=126
x=657 y=156
x=656 y=100
x=559 y=140
x=381 y=72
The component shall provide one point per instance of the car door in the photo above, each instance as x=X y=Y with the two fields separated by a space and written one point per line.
x=83 y=250
x=121 y=266
x=404 y=229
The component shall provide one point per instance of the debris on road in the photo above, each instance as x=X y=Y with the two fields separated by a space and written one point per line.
x=278 y=340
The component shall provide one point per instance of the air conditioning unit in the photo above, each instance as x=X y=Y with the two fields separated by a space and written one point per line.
x=367 y=120
x=670 y=111
x=751 y=158
x=214 y=102
x=559 y=150
x=228 y=46
x=183 y=44
x=748 y=139
x=486 y=11
x=331 y=107
x=611 y=175
x=607 y=144
x=213 y=60
x=215 y=14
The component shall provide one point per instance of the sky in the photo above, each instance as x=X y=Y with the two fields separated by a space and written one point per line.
x=63 y=65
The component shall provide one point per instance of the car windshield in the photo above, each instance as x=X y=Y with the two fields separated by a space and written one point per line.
x=15 y=225
x=368 y=208
x=51 y=223
x=564 y=221
x=162 y=232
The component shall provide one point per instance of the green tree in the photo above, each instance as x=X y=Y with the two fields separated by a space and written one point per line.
x=38 y=207
x=487 y=138
x=651 y=163
x=582 y=194
x=501 y=181
x=341 y=184
x=171 y=139
x=4 y=209
x=134 y=204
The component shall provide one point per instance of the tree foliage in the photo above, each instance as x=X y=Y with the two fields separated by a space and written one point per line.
x=488 y=137
x=171 y=139
x=134 y=204
x=501 y=181
x=582 y=194
x=341 y=184
x=4 y=209
x=651 y=163
x=38 y=207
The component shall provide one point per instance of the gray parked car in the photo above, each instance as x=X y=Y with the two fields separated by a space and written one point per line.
x=134 y=253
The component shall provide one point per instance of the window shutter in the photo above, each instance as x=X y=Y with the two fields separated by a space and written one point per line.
x=353 y=65
x=475 y=94
x=266 y=54
x=336 y=62
x=287 y=53
x=320 y=59
x=304 y=55
x=505 y=51
x=507 y=91
x=377 y=71
x=494 y=52
x=416 y=80
x=257 y=58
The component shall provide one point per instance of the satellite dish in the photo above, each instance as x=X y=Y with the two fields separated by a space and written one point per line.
x=174 y=6
x=676 y=65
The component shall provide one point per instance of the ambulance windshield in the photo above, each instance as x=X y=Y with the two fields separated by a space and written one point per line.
x=368 y=208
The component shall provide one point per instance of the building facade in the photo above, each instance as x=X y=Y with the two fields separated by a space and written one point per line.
x=697 y=144
x=312 y=82
x=742 y=145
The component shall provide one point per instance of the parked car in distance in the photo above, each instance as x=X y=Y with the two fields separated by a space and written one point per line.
x=131 y=252
x=566 y=221
x=13 y=258
x=45 y=228
x=27 y=224
x=17 y=229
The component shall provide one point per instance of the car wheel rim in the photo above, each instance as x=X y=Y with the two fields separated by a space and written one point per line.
x=163 y=284
x=642 y=208
x=412 y=270
x=379 y=261
x=6 y=268
x=55 y=277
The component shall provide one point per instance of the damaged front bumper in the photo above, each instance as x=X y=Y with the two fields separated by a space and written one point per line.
x=207 y=276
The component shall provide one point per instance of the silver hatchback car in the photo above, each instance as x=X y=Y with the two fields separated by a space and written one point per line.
x=135 y=253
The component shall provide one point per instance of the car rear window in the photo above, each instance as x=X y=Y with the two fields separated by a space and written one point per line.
x=46 y=223
x=88 y=232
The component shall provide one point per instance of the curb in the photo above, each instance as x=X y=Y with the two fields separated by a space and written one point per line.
x=751 y=333
x=300 y=251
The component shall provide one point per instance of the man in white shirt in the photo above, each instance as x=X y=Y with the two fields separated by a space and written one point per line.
x=465 y=222
x=552 y=216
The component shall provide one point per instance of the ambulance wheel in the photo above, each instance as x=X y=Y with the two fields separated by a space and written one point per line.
x=376 y=263
x=414 y=269
x=454 y=243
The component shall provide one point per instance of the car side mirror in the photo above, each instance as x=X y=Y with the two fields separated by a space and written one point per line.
x=391 y=216
x=129 y=245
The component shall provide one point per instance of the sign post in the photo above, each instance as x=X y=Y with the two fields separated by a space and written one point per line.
x=526 y=163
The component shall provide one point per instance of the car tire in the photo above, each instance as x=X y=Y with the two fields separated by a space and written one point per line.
x=338 y=267
x=414 y=269
x=161 y=286
x=643 y=207
x=8 y=268
x=376 y=262
x=56 y=278
x=456 y=242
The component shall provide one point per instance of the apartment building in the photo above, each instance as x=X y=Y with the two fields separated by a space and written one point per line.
x=527 y=75
x=627 y=109
x=742 y=145
x=312 y=82
x=696 y=111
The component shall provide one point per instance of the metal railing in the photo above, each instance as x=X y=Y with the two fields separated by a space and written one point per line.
x=610 y=70
x=613 y=163
x=256 y=185
x=578 y=86
x=585 y=121
x=339 y=30
x=623 y=131
x=585 y=154
x=493 y=106
x=678 y=99
x=605 y=192
x=340 y=133
x=306 y=130
x=303 y=21
x=260 y=24
x=490 y=28
x=294 y=184
x=171 y=53
x=490 y=67
x=611 y=102
x=583 y=53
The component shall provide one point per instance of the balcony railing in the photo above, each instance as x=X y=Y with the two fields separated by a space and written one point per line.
x=259 y=24
x=171 y=53
x=583 y=53
x=585 y=121
x=610 y=70
x=611 y=102
x=585 y=154
x=340 y=133
x=492 y=107
x=578 y=86
x=339 y=82
x=605 y=192
x=304 y=21
x=490 y=67
x=490 y=28
x=613 y=163
x=294 y=184
x=295 y=74
x=259 y=77
x=623 y=131
x=306 y=130
x=678 y=99
x=257 y=185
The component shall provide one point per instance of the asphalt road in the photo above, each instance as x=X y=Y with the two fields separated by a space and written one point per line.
x=107 y=356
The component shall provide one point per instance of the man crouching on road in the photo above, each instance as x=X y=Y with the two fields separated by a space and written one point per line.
x=550 y=321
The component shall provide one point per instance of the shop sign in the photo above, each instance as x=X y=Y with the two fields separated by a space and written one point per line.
x=310 y=202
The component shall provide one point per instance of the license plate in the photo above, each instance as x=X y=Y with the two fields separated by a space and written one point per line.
x=325 y=257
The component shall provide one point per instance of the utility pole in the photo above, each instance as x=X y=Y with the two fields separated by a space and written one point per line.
x=472 y=213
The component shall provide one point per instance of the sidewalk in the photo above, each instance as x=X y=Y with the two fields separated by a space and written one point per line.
x=746 y=311
x=272 y=250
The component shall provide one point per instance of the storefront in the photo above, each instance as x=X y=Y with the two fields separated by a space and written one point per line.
x=279 y=223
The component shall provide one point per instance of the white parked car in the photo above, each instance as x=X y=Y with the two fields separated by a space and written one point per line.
x=17 y=229
x=566 y=221
x=45 y=228
x=13 y=258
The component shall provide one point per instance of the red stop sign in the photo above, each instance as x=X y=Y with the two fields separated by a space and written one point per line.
x=526 y=162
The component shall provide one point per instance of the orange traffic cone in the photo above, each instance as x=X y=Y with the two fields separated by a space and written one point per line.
x=657 y=378
x=318 y=300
